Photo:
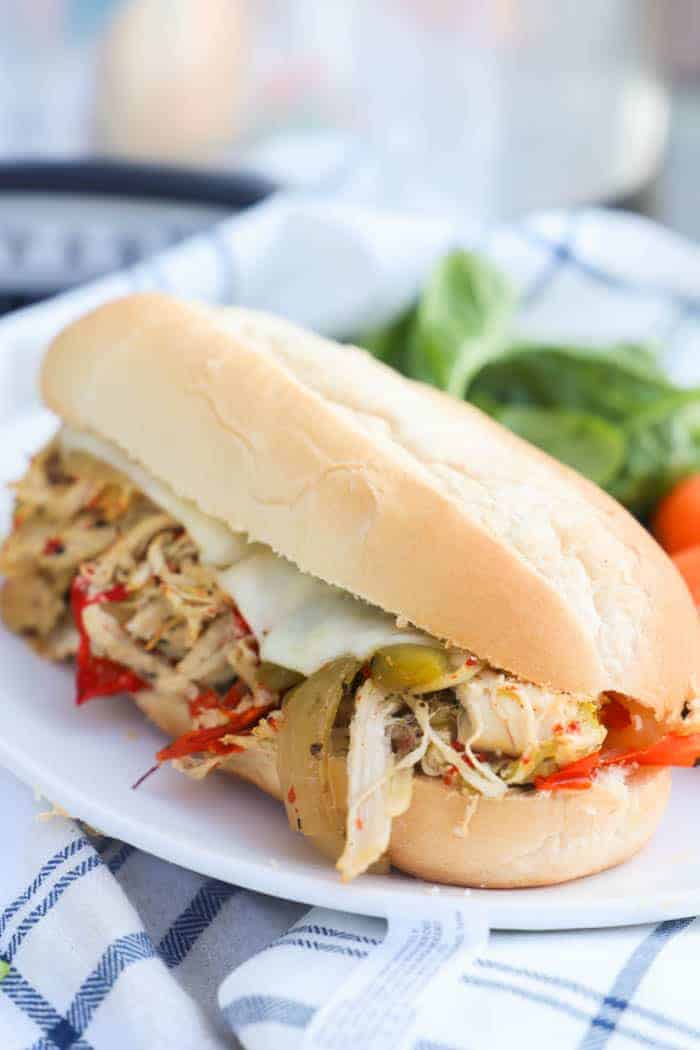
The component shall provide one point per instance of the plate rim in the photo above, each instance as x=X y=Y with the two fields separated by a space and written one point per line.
x=359 y=897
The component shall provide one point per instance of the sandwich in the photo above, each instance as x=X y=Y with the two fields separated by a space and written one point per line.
x=440 y=649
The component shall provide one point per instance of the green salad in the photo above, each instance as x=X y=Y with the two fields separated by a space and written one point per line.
x=608 y=411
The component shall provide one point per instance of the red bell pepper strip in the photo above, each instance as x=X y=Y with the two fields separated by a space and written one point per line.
x=673 y=749
x=95 y=675
x=575 y=777
x=199 y=740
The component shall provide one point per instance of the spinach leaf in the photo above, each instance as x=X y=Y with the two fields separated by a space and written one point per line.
x=593 y=446
x=390 y=342
x=641 y=359
x=663 y=445
x=613 y=382
x=609 y=412
x=463 y=320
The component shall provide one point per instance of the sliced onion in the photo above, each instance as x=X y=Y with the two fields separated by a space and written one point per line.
x=304 y=755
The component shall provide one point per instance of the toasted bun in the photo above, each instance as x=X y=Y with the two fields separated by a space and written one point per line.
x=524 y=839
x=528 y=839
x=404 y=496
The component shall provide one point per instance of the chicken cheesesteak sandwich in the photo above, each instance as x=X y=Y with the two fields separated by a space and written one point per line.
x=438 y=647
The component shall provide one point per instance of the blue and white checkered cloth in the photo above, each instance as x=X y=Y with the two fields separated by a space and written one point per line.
x=107 y=947
x=104 y=947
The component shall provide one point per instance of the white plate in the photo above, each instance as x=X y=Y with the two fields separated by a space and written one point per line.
x=85 y=759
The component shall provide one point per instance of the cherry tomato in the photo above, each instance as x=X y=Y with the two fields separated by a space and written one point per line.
x=688 y=564
x=676 y=523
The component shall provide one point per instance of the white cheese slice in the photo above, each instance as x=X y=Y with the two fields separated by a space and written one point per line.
x=217 y=544
x=300 y=622
x=267 y=589
x=303 y=623
x=332 y=625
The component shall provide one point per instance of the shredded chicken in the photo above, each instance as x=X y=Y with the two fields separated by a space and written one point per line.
x=108 y=638
x=380 y=782
x=124 y=555
x=64 y=515
x=30 y=605
x=152 y=607
x=475 y=773
x=175 y=628
x=207 y=660
x=515 y=718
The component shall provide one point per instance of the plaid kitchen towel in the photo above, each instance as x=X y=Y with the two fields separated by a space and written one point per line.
x=105 y=947
x=102 y=946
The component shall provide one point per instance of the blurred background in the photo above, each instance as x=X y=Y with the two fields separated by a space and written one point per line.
x=481 y=109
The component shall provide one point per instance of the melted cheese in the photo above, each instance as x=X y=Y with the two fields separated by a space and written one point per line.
x=303 y=623
x=300 y=622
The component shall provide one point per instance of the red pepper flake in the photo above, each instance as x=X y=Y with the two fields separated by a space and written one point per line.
x=558 y=728
x=468 y=761
x=574 y=727
x=449 y=775
x=471 y=661
x=291 y=796
x=458 y=745
x=359 y=823
x=366 y=671
x=53 y=546
x=272 y=722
